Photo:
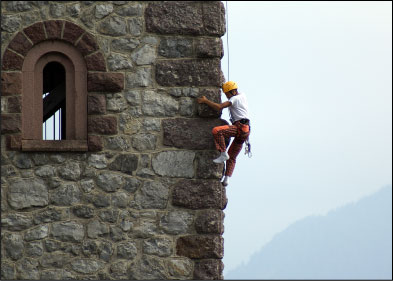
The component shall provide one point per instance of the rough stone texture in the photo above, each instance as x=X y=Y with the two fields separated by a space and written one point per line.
x=174 y=163
x=189 y=72
x=199 y=194
x=11 y=83
x=145 y=190
x=190 y=133
x=105 y=82
x=200 y=246
x=210 y=222
x=106 y=125
x=68 y=231
x=209 y=269
x=26 y=193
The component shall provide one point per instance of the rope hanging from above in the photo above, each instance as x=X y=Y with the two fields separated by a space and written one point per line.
x=227 y=22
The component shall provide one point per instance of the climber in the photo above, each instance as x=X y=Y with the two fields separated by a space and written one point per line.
x=240 y=128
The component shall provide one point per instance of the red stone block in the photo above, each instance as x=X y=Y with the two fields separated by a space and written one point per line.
x=95 y=62
x=105 y=125
x=14 y=142
x=72 y=32
x=200 y=246
x=96 y=104
x=105 y=82
x=14 y=104
x=209 y=269
x=11 y=123
x=95 y=143
x=11 y=83
x=20 y=44
x=12 y=61
x=35 y=32
x=87 y=44
x=53 y=28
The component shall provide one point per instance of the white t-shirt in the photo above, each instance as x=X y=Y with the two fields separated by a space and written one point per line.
x=239 y=108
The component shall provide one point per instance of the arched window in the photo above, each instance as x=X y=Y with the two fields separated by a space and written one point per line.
x=54 y=79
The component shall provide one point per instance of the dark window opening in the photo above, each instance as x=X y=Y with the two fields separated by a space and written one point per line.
x=54 y=102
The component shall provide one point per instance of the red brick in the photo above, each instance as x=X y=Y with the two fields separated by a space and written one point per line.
x=11 y=123
x=95 y=143
x=105 y=125
x=12 y=61
x=96 y=62
x=53 y=28
x=96 y=104
x=72 y=32
x=15 y=104
x=11 y=83
x=35 y=32
x=20 y=44
x=200 y=246
x=87 y=44
x=105 y=82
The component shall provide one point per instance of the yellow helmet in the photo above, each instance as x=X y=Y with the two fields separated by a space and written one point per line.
x=228 y=86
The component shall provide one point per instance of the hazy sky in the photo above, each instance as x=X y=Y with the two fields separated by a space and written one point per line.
x=318 y=77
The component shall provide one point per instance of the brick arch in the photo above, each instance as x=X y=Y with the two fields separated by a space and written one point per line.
x=61 y=30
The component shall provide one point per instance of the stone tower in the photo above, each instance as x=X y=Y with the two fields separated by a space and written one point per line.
x=129 y=190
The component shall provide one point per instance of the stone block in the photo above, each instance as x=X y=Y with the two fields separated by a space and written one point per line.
x=113 y=26
x=15 y=104
x=148 y=268
x=87 y=44
x=35 y=32
x=13 y=245
x=20 y=44
x=106 y=125
x=126 y=163
x=206 y=168
x=210 y=221
x=16 y=222
x=96 y=104
x=109 y=181
x=11 y=83
x=161 y=247
x=127 y=250
x=144 y=56
x=179 y=17
x=189 y=72
x=208 y=269
x=86 y=266
x=95 y=62
x=200 y=246
x=179 y=268
x=158 y=104
x=213 y=18
x=174 y=164
x=199 y=194
x=175 y=47
x=72 y=32
x=190 y=133
x=95 y=143
x=119 y=62
x=26 y=193
x=176 y=222
x=209 y=48
x=67 y=194
x=203 y=109
x=53 y=28
x=70 y=231
x=153 y=195
x=37 y=233
x=105 y=82
x=12 y=61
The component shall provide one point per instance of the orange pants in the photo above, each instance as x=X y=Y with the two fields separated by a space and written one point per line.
x=240 y=132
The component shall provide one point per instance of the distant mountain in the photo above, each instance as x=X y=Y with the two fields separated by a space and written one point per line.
x=352 y=242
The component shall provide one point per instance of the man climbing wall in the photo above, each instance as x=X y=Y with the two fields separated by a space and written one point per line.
x=240 y=128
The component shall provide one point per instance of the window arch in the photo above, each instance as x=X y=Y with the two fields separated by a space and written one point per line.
x=42 y=64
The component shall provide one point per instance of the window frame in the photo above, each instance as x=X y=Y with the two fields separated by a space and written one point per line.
x=76 y=97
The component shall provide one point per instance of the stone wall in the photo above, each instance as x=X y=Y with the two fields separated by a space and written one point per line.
x=145 y=202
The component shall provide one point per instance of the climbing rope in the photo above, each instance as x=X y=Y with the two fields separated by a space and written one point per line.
x=227 y=21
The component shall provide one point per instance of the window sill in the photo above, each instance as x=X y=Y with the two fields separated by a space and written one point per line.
x=54 y=145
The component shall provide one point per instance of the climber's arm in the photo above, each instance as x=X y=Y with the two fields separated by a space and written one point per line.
x=215 y=106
